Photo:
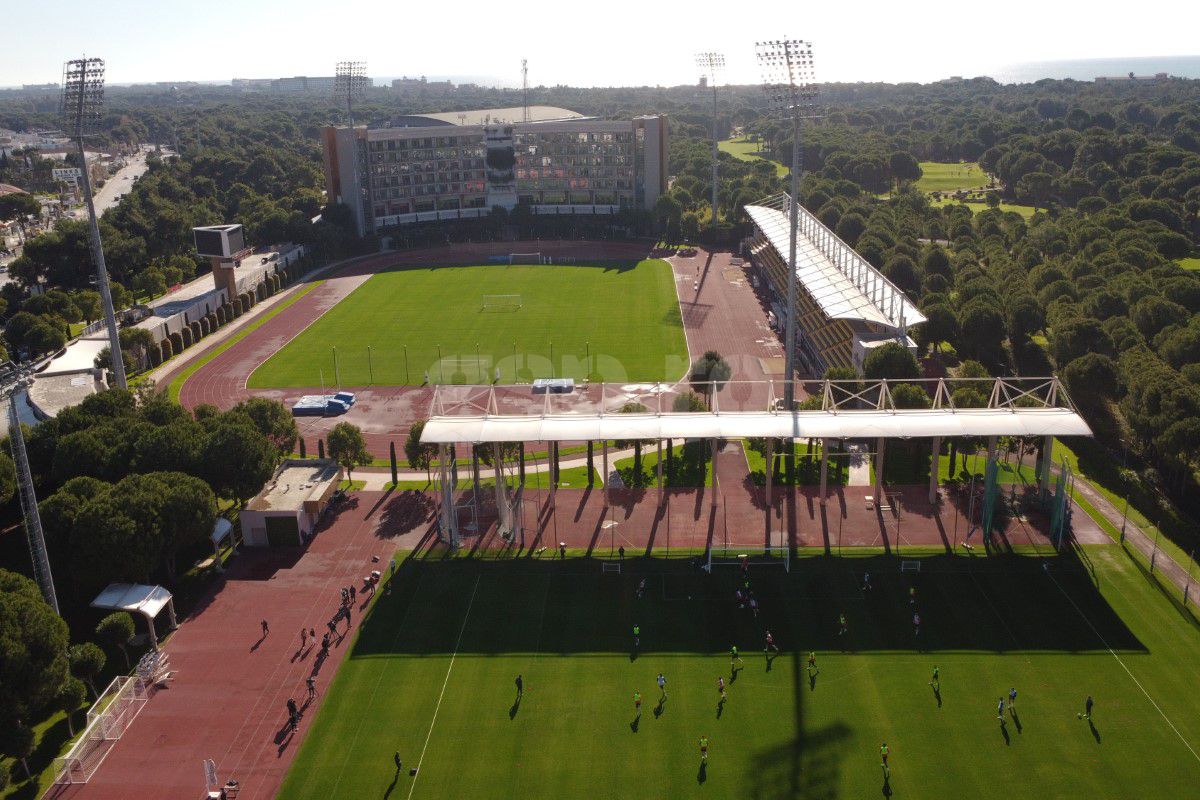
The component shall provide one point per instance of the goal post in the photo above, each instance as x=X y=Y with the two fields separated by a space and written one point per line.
x=107 y=721
x=500 y=302
x=773 y=556
x=526 y=258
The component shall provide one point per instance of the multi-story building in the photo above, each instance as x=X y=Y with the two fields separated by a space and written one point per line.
x=460 y=165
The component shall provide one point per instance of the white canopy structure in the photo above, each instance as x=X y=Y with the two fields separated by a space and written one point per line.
x=847 y=410
x=843 y=283
x=137 y=598
x=879 y=410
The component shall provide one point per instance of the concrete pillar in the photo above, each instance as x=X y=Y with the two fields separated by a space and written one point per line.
x=660 y=471
x=501 y=491
x=1047 y=458
x=935 y=457
x=824 y=470
x=770 y=468
x=591 y=464
x=991 y=450
x=604 y=460
x=879 y=470
x=712 y=457
x=448 y=521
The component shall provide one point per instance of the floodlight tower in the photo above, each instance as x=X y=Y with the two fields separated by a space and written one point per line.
x=82 y=101
x=525 y=86
x=349 y=81
x=787 y=69
x=13 y=380
x=710 y=65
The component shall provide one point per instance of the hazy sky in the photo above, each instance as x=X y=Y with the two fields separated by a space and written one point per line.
x=601 y=42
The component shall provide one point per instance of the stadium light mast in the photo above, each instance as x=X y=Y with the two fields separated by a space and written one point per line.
x=790 y=86
x=13 y=380
x=711 y=64
x=525 y=86
x=349 y=82
x=82 y=101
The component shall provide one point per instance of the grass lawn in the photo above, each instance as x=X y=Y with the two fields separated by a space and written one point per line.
x=431 y=676
x=744 y=150
x=690 y=466
x=807 y=467
x=568 y=478
x=1024 y=211
x=610 y=322
x=1190 y=263
x=939 y=177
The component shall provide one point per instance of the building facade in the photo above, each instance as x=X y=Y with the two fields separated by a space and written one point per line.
x=396 y=176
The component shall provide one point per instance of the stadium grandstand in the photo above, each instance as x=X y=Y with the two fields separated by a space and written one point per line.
x=461 y=165
x=844 y=306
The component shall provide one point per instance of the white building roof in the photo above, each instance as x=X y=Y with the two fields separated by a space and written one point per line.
x=483 y=116
x=914 y=423
x=849 y=410
x=133 y=597
x=842 y=282
x=78 y=355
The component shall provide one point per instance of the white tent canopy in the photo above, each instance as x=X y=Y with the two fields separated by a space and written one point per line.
x=856 y=424
x=138 y=598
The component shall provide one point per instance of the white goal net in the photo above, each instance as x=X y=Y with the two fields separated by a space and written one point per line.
x=500 y=302
x=525 y=258
x=773 y=556
x=107 y=721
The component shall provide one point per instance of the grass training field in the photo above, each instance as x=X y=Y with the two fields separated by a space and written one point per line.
x=938 y=177
x=744 y=150
x=1190 y=263
x=608 y=322
x=431 y=676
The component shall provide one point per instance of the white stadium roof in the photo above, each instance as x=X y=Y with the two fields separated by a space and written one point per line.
x=841 y=281
x=801 y=424
x=850 y=410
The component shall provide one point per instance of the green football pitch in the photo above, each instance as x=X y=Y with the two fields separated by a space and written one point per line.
x=940 y=177
x=611 y=322
x=431 y=676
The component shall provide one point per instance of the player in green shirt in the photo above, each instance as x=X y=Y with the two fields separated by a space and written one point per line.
x=704 y=748
x=734 y=657
x=934 y=682
x=883 y=753
x=637 y=702
x=812 y=663
x=637 y=636
x=842 y=629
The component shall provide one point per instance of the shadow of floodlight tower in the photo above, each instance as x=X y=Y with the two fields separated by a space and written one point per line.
x=14 y=380
x=82 y=104
x=711 y=65
x=791 y=89
x=349 y=83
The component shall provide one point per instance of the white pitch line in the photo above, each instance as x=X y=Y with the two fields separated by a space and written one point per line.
x=1124 y=667
x=442 y=694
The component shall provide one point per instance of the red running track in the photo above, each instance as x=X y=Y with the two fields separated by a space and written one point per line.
x=227 y=698
x=383 y=413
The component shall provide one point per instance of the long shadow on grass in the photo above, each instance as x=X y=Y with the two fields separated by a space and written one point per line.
x=1000 y=603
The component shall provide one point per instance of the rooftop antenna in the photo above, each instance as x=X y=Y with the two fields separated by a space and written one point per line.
x=525 y=86
x=790 y=86
x=82 y=104
x=14 y=380
x=711 y=64
x=349 y=81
